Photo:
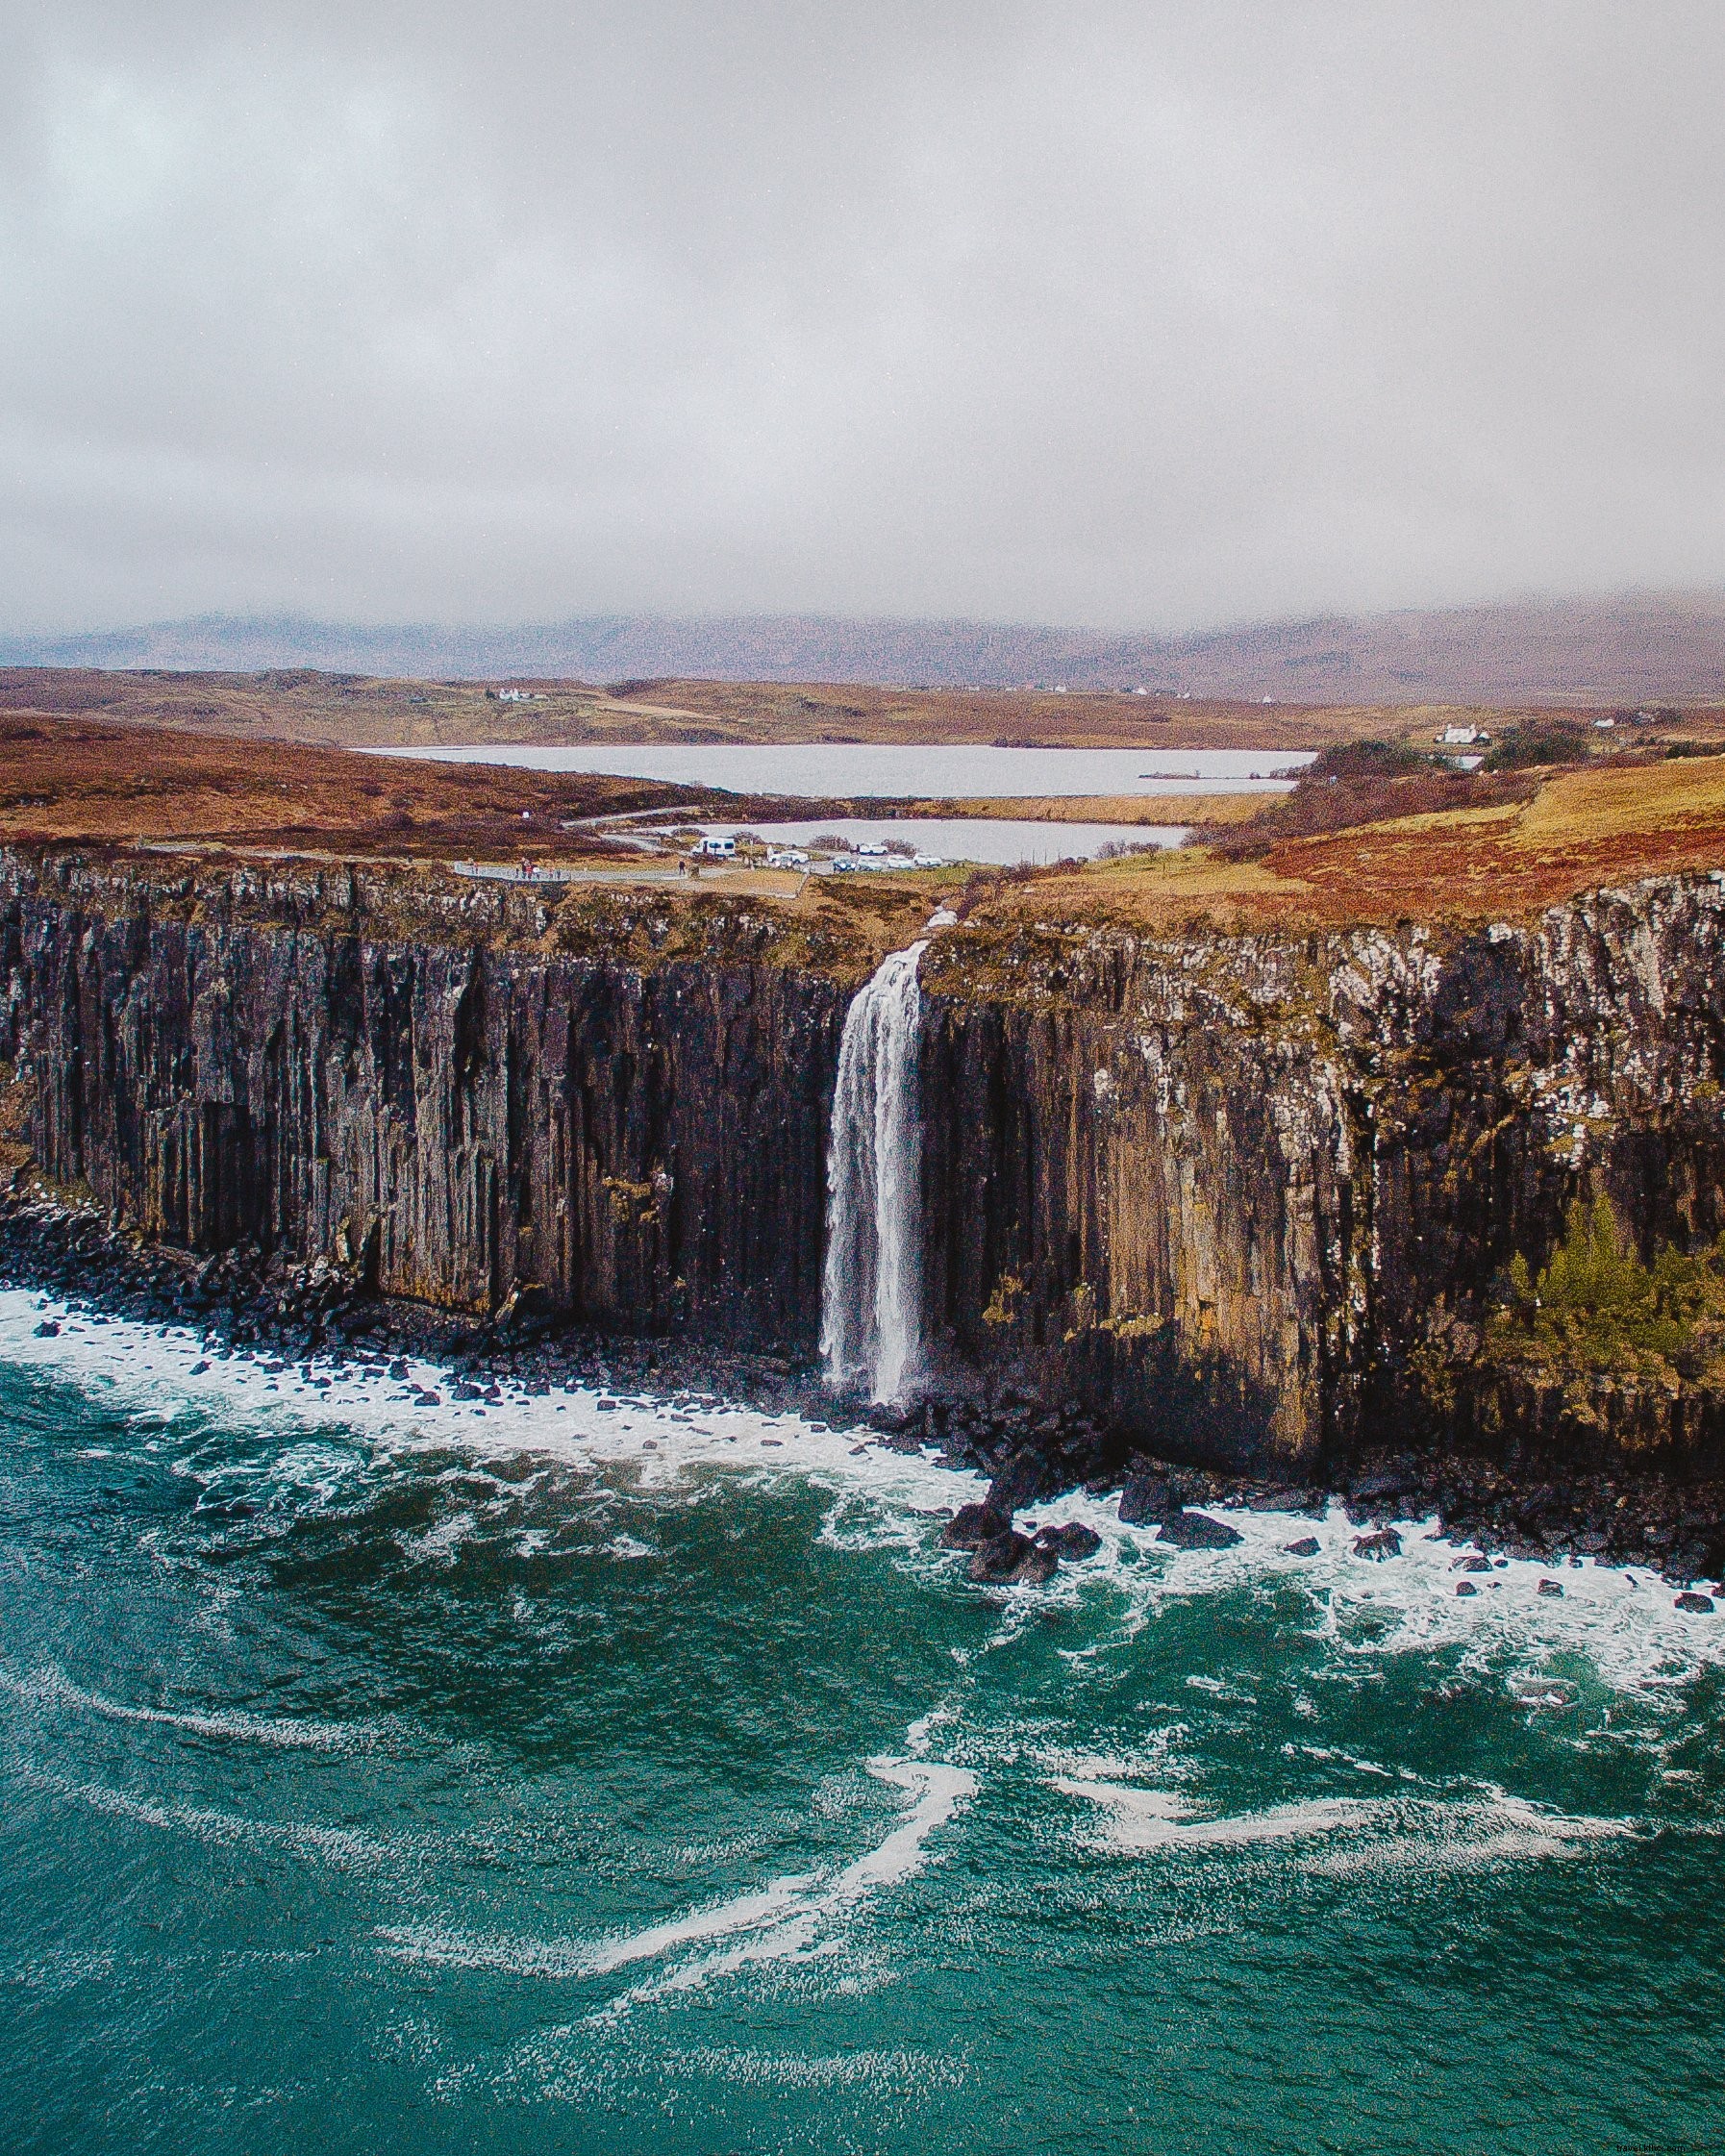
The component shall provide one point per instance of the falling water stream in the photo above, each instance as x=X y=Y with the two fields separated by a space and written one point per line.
x=872 y=1299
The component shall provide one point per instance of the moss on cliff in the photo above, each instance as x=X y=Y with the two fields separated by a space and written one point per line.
x=1598 y=1310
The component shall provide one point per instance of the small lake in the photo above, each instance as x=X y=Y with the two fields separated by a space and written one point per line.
x=844 y=771
x=999 y=841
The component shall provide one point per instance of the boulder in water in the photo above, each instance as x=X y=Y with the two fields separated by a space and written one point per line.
x=972 y=1525
x=1308 y=1545
x=1198 y=1531
x=1069 y=1539
x=1700 y=1603
x=1385 y=1542
x=1465 y=1587
x=1148 y=1498
x=1552 y=1588
x=999 y=1558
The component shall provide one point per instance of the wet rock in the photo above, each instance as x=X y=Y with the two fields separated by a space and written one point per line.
x=1146 y=1498
x=1071 y=1540
x=47 y=1329
x=1701 y=1604
x=1279 y=1500
x=1016 y=1483
x=972 y=1525
x=1036 y=1568
x=1385 y=1542
x=1198 y=1531
x=1552 y=1588
x=1471 y=1565
x=1465 y=1588
x=1308 y=1545
x=998 y=1559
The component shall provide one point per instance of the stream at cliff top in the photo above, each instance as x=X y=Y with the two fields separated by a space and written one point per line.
x=556 y=1777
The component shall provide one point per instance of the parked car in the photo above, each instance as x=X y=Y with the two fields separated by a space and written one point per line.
x=872 y=849
x=927 y=861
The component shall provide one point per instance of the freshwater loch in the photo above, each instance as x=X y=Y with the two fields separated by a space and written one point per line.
x=543 y=1775
x=905 y=770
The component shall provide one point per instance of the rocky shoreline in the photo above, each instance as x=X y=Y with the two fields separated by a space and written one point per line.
x=321 y=1319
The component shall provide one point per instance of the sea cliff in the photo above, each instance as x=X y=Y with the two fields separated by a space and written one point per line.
x=1239 y=1198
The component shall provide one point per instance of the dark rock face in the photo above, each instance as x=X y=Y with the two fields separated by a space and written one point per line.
x=1228 y=1199
x=1232 y=1192
x=1197 y=1531
x=1387 y=1543
x=1308 y=1545
x=466 y=1120
x=1701 y=1604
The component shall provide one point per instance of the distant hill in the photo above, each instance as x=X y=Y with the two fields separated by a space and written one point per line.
x=1638 y=648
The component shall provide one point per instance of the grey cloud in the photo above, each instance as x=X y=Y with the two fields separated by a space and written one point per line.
x=1141 y=315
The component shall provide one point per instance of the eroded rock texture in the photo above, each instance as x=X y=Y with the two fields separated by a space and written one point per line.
x=1236 y=1194
x=644 y=1148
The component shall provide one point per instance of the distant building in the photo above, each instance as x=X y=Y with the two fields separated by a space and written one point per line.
x=1463 y=737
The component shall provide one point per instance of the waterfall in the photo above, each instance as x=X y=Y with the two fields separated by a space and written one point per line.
x=871 y=1292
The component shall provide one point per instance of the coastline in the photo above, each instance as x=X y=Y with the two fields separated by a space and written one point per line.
x=318 y=1320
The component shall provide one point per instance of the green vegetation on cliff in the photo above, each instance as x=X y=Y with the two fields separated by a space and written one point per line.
x=1598 y=1310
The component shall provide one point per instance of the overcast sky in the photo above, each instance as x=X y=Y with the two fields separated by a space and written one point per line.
x=1149 y=315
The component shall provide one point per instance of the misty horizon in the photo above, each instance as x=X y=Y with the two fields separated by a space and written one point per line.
x=1137 y=319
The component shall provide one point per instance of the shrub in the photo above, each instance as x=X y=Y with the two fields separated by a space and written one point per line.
x=1539 y=741
x=1597 y=1308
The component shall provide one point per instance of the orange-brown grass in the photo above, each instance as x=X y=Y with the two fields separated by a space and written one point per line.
x=1608 y=824
x=79 y=780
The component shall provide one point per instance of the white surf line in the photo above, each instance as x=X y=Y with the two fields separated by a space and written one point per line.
x=1359 y=1835
x=785 y=1919
x=163 y=1371
x=347 y=1848
x=49 y=1688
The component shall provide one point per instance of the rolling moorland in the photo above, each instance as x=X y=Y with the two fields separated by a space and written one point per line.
x=1663 y=645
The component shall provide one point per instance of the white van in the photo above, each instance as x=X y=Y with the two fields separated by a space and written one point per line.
x=715 y=849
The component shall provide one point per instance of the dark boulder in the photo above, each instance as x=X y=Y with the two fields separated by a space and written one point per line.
x=1012 y=1559
x=1308 y=1545
x=1036 y=1568
x=972 y=1526
x=47 y=1329
x=1552 y=1588
x=1387 y=1543
x=1198 y=1531
x=1016 y=1483
x=1148 y=1498
x=1465 y=1587
x=1069 y=1539
x=1471 y=1565
x=1700 y=1603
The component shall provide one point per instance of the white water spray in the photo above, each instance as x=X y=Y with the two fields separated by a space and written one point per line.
x=871 y=1296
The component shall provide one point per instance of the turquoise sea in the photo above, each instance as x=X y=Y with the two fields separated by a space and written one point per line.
x=383 y=1778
